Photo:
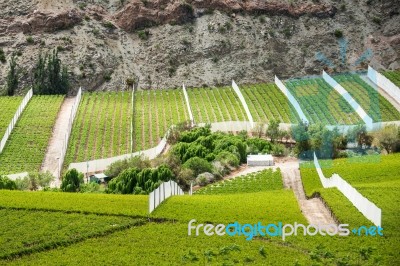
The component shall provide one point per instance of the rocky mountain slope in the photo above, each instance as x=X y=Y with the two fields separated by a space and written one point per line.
x=163 y=43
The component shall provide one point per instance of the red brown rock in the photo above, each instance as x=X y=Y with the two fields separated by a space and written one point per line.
x=139 y=14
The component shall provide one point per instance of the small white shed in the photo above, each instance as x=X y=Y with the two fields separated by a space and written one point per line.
x=260 y=160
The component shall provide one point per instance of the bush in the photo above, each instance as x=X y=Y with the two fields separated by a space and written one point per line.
x=278 y=150
x=6 y=183
x=144 y=34
x=227 y=159
x=2 y=56
x=29 y=40
x=338 y=34
x=198 y=165
x=72 y=181
x=118 y=167
x=204 y=179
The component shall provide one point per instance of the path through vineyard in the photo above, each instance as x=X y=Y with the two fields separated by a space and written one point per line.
x=50 y=162
x=313 y=209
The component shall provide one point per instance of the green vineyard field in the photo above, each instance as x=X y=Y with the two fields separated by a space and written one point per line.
x=376 y=106
x=394 y=76
x=267 y=102
x=8 y=107
x=215 y=105
x=26 y=147
x=155 y=111
x=321 y=103
x=102 y=127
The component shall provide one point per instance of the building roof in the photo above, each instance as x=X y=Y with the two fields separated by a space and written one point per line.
x=259 y=157
x=99 y=176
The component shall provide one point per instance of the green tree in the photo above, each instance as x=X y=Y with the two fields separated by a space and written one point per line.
x=50 y=76
x=273 y=130
x=388 y=138
x=12 y=77
x=72 y=181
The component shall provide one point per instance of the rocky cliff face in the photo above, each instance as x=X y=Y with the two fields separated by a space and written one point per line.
x=164 y=43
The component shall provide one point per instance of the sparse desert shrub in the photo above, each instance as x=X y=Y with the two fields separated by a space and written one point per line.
x=338 y=33
x=144 y=34
x=29 y=40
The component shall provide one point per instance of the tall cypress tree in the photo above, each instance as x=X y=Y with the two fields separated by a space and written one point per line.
x=50 y=76
x=12 y=77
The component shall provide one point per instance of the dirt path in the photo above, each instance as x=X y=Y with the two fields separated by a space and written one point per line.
x=313 y=209
x=51 y=161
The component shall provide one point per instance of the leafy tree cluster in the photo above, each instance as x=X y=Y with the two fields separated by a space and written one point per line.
x=317 y=138
x=50 y=76
x=6 y=183
x=140 y=181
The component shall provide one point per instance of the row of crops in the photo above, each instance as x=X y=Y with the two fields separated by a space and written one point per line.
x=376 y=106
x=321 y=103
x=155 y=111
x=255 y=182
x=215 y=105
x=394 y=76
x=8 y=107
x=27 y=145
x=267 y=102
x=102 y=127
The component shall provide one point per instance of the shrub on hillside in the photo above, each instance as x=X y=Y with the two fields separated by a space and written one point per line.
x=198 y=165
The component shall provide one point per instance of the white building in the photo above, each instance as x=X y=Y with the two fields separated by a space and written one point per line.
x=260 y=160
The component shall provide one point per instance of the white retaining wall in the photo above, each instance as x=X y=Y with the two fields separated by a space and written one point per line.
x=102 y=164
x=164 y=191
x=346 y=95
x=243 y=101
x=366 y=207
x=16 y=176
x=188 y=104
x=14 y=120
x=291 y=99
x=384 y=83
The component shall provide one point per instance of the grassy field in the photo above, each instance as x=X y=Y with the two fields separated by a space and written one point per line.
x=8 y=107
x=26 y=147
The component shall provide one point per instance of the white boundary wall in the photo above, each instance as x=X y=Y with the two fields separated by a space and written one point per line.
x=384 y=83
x=164 y=191
x=14 y=120
x=188 y=104
x=69 y=129
x=366 y=207
x=346 y=95
x=291 y=99
x=243 y=101
x=102 y=164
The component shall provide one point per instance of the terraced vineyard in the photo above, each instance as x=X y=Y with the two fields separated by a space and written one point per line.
x=102 y=127
x=377 y=107
x=254 y=182
x=155 y=111
x=28 y=142
x=394 y=76
x=215 y=105
x=321 y=103
x=267 y=102
x=8 y=107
